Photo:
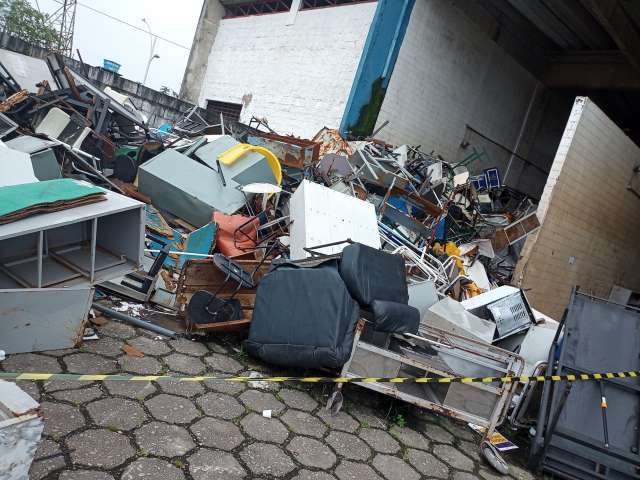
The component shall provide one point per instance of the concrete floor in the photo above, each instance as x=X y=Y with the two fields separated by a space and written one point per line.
x=215 y=430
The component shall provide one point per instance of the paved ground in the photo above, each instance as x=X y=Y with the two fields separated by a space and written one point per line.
x=213 y=430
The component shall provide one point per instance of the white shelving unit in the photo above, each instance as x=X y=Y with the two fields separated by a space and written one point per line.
x=50 y=262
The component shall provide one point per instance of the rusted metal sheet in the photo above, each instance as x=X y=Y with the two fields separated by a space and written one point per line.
x=291 y=151
x=331 y=141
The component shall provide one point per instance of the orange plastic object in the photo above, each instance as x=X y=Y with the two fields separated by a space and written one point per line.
x=227 y=226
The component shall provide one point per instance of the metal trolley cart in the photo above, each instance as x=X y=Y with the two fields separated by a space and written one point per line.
x=437 y=353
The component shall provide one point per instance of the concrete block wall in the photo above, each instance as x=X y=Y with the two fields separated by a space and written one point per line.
x=450 y=73
x=298 y=76
x=27 y=62
x=590 y=231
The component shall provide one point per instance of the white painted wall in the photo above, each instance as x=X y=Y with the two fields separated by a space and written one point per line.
x=450 y=73
x=297 y=76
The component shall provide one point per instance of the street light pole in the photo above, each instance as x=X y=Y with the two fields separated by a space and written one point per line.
x=154 y=39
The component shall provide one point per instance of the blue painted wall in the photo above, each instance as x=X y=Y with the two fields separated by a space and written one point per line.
x=378 y=59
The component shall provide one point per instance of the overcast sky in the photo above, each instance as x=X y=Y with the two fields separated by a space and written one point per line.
x=98 y=37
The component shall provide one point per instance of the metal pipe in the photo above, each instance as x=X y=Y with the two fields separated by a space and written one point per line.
x=178 y=252
x=137 y=322
x=523 y=128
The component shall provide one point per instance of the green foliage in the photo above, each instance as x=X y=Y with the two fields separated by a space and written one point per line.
x=369 y=112
x=20 y=19
x=168 y=91
x=399 y=420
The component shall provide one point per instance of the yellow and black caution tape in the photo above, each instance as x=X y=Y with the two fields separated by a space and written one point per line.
x=185 y=378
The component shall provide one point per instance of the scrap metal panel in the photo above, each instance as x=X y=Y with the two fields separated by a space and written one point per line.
x=37 y=319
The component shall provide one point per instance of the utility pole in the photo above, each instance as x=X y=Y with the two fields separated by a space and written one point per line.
x=154 y=39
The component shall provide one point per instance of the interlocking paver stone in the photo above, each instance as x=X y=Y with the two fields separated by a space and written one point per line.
x=342 y=421
x=57 y=385
x=89 y=363
x=348 y=445
x=220 y=405
x=59 y=353
x=264 y=429
x=118 y=330
x=453 y=457
x=427 y=464
x=219 y=434
x=304 y=423
x=149 y=346
x=259 y=401
x=379 y=440
x=470 y=449
x=183 y=345
x=179 y=362
x=311 y=452
x=459 y=430
x=135 y=390
x=297 y=399
x=140 y=365
x=42 y=468
x=394 y=468
x=116 y=413
x=47 y=448
x=355 y=471
x=409 y=437
x=367 y=417
x=464 y=476
x=217 y=348
x=262 y=384
x=487 y=474
x=230 y=388
x=181 y=443
x=309 y=475
x=164 y=440
x=109 y=347
x=172 y=409
x=267 y=459
x=184 y=389
x=61 y=419
x=82 y=395
x=222 y=363
x=30 y=363
x=214 y=465
x=151 y=469
x=100 y=448
x=520 y=474
x=436 y=433
x=84 y=475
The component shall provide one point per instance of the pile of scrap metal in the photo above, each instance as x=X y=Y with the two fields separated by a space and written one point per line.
x=359 y=257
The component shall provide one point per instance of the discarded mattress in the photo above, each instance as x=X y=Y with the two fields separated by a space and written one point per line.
x=303 y=317
x=21 y=201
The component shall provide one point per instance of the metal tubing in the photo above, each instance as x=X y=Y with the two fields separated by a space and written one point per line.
x=134 y=321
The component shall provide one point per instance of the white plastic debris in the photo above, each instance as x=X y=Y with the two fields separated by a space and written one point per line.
x=266 y=413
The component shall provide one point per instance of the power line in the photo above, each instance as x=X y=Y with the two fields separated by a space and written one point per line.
x=127 y=24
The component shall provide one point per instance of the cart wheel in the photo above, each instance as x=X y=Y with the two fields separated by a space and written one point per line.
x=334 y=403
x=493 y=457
